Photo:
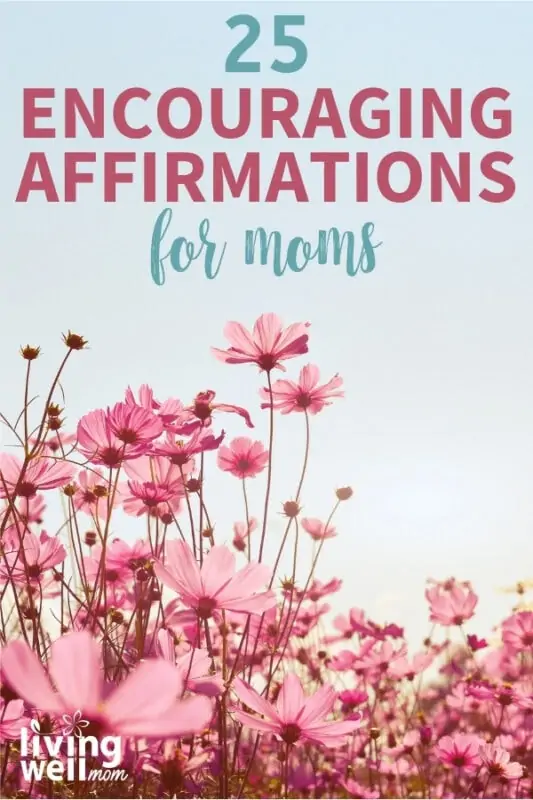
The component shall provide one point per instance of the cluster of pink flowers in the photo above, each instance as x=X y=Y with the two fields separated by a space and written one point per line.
x=221 y=676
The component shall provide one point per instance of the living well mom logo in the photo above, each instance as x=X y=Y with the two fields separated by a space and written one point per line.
x=64 y=757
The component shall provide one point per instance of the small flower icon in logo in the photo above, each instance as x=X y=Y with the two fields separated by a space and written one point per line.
x=74 y=724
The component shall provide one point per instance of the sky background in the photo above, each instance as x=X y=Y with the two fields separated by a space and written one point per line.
x=436 y=431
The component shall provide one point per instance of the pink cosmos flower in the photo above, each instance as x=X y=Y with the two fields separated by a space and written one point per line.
x=267 y=346
x=305 y=395
x=381 y=658
x=476 y=644
x=115 y=577
x=343 y=661
x=98 y=443
x=393 y=770
x=355 y=789
x=347 y=626
x=122 y=560
x=460 y=751
x=174 y=767
x=243 y=458
x=168 y=411
x=152 y=498
x=453 y=606
x=123 y=432
x=317 y=530
x=144 y=705
x=37 y=555
x=317 y=590
x=201 y=411
x=122 y=555
x=295 y=717
x=351 y=699
x=216 y=586
x=91 y=495
x=40 y=474
x=380 y=632
x=12 y=719
x=28 y=510
x=241 y=533
x=403 y=668
x=159 y=470
x=134 y=424
x=194 y=666
x=307 y=619
x=517 y=631
x=57 y=442
x=180 y=451
x=497 y=762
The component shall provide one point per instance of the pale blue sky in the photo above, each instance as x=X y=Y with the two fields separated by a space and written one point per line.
x=436 y=432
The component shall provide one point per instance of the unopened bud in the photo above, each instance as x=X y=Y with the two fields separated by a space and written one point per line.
x=74 y=341
x=291 y=509
x=30 y=353
x=344 y=493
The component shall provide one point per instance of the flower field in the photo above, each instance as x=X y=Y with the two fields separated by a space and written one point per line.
x=211 y=672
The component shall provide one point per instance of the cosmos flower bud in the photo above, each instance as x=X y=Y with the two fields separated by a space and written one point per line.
x=425 y=735
x=291 y=509
x=30 y=353
x=193 y=485
x=344 y=493
x=288 y=585
x=29 y=612
x=90 y=538
x=239 y=544
x=74 y=341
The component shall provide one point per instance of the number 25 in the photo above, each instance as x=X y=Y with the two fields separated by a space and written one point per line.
x=281 y=39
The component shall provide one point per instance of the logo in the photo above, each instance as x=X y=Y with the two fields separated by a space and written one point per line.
x=60 y=758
